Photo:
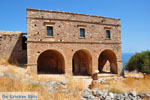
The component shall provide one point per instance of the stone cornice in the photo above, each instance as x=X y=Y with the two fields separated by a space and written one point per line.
x=73 y=42
x=99 y=23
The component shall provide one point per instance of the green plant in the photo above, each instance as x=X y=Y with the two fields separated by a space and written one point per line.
x=114 y=90
x=34 y=85
x=139 y=62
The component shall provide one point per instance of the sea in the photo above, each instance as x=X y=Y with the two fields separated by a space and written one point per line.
x=125 y=58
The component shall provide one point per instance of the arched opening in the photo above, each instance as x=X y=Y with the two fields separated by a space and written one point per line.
x=51 y=62
x=82 y=63
x=107 y=62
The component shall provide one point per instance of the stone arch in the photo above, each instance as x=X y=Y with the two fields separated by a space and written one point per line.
x=82 y=63
x=51 y=62
x=109 y=57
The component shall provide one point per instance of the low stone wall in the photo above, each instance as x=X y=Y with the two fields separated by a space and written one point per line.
x=134 y=75
x=96 y=94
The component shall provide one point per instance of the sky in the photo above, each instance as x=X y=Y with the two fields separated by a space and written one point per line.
x=134 y=15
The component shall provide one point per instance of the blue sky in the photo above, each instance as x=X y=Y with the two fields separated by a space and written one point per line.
x=134 y=15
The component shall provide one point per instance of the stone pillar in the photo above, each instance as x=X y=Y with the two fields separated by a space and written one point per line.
x=94 y=63
x=68 y=66
x=120 y=67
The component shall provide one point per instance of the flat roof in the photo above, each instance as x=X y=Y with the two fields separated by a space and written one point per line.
x=30 y=9
x=10 y=32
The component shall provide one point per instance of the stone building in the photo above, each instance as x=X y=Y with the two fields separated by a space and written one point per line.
x=71 y=43
x=13 y=47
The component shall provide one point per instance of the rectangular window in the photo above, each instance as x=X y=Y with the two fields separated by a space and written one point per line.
x=82 y=32
x=107 y=34
x=49 y=31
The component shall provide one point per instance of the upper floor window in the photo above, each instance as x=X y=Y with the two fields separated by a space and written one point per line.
x=49 y=31
x=107 y=34
x=82 y=32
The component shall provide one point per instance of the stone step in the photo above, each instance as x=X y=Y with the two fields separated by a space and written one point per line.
x=107 y=75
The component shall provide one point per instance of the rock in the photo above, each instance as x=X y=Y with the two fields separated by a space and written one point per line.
x=90 y=97
x=12 y=76
x=141 y=95
x=35 y=82
x=64 y=87
x=16 y=77
x=132 y=97
x=26 y=80
x=126 y=98
x=138 y=98
x=107 y=98
x=49 y=82
x=101 y=80
x=100 y=94
x=95 y=92
x=132 y=93
x=43 y=83
x=125 y=94
x=1 y=74
x=7 y=74
x=87 y=93
x=63 y=82
x=117 y=97
x=148 y=95
x=111 y=95
x=103 y=94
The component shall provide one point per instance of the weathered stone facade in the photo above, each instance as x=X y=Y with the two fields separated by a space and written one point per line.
x=11 y=47
x=66 y=52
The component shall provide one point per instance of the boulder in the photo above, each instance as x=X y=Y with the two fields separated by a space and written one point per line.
x=95 y=92
x=87 y=94
x=1 y=74
x=63 y=82
x=111 y=95
x=132 y=93
x=125 y=94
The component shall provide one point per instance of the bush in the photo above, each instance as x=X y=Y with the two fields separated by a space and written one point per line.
x=139 y=62
x=114 y=90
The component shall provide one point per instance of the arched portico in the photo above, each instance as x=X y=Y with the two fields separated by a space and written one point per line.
x=82 y=63
x=108 y=60
x=51 y=62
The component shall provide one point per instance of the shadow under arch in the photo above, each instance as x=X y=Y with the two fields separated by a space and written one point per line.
x=108 y=56
x=51 y=62
x=82 y=63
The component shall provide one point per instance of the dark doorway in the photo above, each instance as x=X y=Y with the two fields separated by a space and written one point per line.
x=81 y=63
x=51 y=62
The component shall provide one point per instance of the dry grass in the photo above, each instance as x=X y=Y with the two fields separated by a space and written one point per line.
x=8 y=61
x=128 y=84
x=8 y=85
x=4 y=61
x=75 y=86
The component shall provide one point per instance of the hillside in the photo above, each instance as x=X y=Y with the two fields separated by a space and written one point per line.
x=64 y=87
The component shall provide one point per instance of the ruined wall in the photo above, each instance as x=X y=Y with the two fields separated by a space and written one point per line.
x=66 y=39
x=11 y=47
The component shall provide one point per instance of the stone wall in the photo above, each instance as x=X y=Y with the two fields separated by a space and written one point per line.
x=11 y=47
x=66 y=39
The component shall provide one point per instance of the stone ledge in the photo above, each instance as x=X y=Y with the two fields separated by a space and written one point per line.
x=30 y=9
x=72 y=42
x=100 y=23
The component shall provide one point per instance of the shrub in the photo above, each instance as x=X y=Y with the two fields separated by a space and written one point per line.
x=139 y=62
x=114 y=90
